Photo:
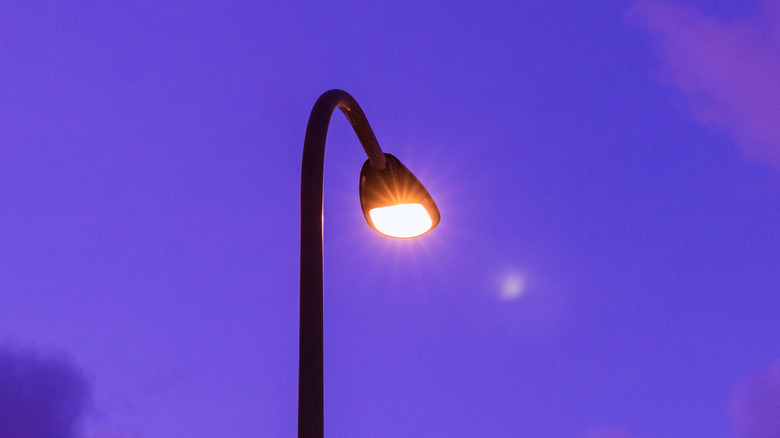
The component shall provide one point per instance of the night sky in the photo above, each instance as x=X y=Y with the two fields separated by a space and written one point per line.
x=607 y=263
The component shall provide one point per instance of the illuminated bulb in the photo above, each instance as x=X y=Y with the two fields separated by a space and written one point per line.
x=402 y=220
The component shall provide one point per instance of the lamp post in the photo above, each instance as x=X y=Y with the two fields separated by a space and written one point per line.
x=394 y=203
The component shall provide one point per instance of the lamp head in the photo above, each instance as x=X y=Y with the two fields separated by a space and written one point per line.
x=394 y=202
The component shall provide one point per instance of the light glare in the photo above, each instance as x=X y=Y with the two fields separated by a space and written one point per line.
x=402 y=220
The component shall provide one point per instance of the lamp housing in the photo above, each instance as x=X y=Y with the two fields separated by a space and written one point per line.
x=394 y=202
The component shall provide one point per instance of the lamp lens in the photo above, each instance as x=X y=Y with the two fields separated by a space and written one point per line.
x=402 y=220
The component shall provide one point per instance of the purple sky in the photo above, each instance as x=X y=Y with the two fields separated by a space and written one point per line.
x=607 y=263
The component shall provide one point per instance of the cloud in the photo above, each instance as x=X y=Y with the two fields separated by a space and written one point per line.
x=728 y=71
x=40 y=396
x=755 y=405
x=754 y=408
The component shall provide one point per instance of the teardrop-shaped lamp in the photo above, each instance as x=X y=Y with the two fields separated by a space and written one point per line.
x=394 y=202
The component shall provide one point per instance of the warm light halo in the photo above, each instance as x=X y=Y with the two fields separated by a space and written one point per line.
x=393 y=186
x=401 y=220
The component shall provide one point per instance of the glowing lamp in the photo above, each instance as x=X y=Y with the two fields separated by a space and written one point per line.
x=402 y=220
x=394 y=201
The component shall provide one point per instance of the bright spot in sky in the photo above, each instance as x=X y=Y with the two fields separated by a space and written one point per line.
x=402 y=220
x=512 y=287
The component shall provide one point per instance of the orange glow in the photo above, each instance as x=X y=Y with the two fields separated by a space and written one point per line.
x=402 y=220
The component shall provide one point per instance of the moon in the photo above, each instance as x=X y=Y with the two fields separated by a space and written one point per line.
x=513 y=286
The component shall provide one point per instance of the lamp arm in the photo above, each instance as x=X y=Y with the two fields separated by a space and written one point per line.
x=317 y=128
x=310 y=365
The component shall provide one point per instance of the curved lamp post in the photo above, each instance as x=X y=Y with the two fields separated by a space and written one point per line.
x=394 y=203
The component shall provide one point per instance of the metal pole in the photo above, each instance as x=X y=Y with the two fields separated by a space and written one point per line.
x=310 y=360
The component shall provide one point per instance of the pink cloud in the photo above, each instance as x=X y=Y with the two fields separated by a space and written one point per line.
x=755 y=405
x=728 y=71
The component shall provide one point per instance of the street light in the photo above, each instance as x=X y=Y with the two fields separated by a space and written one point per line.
x=394 y=203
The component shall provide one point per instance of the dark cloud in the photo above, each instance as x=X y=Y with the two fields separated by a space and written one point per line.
x=755 y=405
x=40 y=396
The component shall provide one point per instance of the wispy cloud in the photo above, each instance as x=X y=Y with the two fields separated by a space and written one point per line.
x=40 y=396
x=728 y=70
x=755 y=405
x=754 y=408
